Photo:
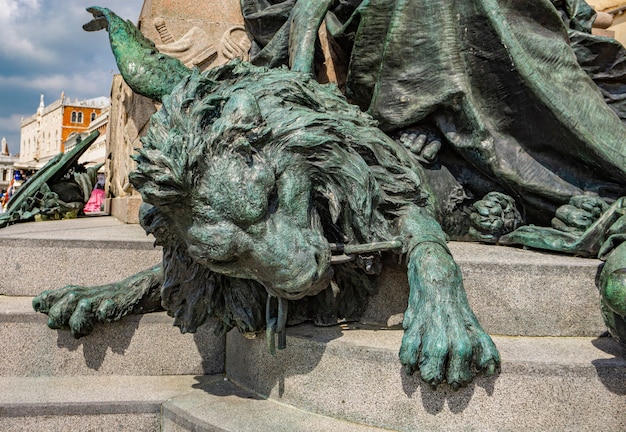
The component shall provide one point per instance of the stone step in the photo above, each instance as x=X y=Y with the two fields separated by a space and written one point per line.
x=556 y=384
x=89 y=403
x=514 y=292
x=353 y=373
x=221 y=406
x=136 y=345
x=335 y=380
x=147 y=403
x=87 y=251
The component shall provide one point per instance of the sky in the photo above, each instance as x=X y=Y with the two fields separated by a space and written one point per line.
x=44 y=50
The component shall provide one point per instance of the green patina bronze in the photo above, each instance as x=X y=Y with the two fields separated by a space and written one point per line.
x=273 y=196
x=58 y=190
x=514 y=108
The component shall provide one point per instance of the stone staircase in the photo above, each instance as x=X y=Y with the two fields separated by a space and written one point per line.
x=116 y=379
x=141 y=374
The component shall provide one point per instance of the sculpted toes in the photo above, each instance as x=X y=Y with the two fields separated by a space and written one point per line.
x=44 y=301
x=48 y=298
x=579 y=214
x=422 y=143
x=459 y=367
x=493 y=216
x=431 y=150
x=41 y=303
x=409 y=351
x=107 y=311
x=82 y=321
x=60 y=313
x=488 y=358
x=490 y=368
x=490 y=363
x=433 y=360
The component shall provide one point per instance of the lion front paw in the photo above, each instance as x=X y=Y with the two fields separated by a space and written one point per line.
x=79 y=308
x=577 y=216
x=447 y=345
x=494 y=216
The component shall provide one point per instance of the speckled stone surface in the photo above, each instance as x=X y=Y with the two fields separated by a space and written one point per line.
x=140 y=422
x=354 y=374
x=221 y=406
x=513 y=292
x=87 y=251
x=104 y=403
x=137 y=345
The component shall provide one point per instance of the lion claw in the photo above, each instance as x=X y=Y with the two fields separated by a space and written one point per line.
x=76 y=308
x=447 y=354
x=494 y=216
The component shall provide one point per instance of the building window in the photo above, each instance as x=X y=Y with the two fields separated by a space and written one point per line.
x=80 y=117
x=73 y=119
x=93 y=116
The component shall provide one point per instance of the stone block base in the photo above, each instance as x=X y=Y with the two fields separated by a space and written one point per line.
x=126 y=209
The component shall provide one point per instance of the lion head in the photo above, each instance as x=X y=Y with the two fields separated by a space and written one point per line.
x=251 y=173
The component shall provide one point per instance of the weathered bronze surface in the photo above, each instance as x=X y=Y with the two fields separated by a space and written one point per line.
x=59 y=189
x=515 y=109
x=254 y=176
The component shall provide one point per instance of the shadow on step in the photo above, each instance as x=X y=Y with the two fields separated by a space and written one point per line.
x=611 y=372
x=249 y=363
x=141 y=345
x=115 y=337
x=444 y=398
x=346 y=365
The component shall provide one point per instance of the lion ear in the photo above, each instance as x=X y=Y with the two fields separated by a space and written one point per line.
x=241 y=118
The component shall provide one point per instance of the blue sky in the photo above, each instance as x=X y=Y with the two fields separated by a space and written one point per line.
x=44 y=50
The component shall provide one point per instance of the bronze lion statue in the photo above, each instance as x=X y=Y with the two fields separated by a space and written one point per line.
x=255 y=181
x=273 y=196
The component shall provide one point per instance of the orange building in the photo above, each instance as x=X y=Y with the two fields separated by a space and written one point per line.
x=42 y=135
x=76 y=119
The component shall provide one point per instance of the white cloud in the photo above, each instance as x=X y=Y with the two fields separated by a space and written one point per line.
x=96 y=82
x=19 y=28
x=34 y=30
x=44 y=50
x=17 y=8
x=12 y=121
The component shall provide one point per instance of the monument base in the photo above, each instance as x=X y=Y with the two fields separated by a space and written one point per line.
x=125 y=209
x=141 y=374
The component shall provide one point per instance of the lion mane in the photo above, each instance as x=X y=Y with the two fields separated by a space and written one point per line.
x=361 y=181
